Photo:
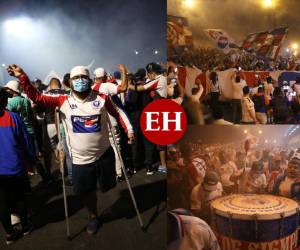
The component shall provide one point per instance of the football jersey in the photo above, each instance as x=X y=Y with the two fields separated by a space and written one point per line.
x=159 y=84
x=85 y=121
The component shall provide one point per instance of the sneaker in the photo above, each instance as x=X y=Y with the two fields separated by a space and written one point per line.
x=28 y=229
x=162 y=169
x=92 y=226
x=150 y=171
x=13 y=237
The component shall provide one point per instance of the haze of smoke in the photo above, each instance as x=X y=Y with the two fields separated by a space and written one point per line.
x=237 y=17
x=82 y=32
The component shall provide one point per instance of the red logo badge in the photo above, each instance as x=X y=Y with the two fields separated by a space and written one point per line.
x=163 y=122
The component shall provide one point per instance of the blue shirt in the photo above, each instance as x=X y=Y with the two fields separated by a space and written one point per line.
x=15 y=144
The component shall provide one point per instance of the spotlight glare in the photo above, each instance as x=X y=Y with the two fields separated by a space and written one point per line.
x=19 y=27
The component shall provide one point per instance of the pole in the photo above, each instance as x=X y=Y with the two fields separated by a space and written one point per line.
x=124 y=172
x=61 y=163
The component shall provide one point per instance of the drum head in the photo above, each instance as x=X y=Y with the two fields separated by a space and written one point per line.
x=254 y=206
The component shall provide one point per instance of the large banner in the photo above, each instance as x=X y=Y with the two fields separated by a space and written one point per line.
x=221 y=39
x=188 y=76
x=179 y=36
x=265 y=44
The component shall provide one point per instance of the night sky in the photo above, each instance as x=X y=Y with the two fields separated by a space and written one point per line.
x=76 y=32
x=238 y=17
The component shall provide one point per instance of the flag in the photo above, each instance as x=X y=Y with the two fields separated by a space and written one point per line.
x=221 y=39
x=179 y=36
x=266 y=44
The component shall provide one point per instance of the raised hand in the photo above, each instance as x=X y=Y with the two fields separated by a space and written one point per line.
x=14 y=70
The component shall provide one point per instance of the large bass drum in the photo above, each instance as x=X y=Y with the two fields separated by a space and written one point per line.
x=256 y=222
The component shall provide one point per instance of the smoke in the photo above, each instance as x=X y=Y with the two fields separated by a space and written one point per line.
x=237 y=17
x=69 y=33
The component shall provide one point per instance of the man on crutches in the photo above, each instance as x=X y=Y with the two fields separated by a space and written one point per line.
x=84 y=117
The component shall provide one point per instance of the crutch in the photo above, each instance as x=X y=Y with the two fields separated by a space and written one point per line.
x=61 y=163
x=124 y=172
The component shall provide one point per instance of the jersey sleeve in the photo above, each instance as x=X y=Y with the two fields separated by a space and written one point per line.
x=152 y=85
x=118 y=113
x=37 y=97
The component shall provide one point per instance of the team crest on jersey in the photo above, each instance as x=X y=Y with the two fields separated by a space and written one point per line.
x=96 y=104
x=86 y=124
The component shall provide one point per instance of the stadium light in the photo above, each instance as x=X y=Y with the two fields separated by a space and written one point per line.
x=268 y=4
x=295 y=46
x=21 y=27
x=189 y=3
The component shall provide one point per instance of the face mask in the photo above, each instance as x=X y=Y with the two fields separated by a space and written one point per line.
x=81 y=85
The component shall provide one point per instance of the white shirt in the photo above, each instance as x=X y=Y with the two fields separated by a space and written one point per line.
x=195 y=235
x=237 y=89
x=85 y=121
x=159 y=84
x=247 y=109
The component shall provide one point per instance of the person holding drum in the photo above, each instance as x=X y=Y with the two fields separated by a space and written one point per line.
x=203 y=194
x=252 y=181
x=288 y=184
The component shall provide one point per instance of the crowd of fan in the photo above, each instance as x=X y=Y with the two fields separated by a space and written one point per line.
x=268 y=103
x=214 y=59
x=42 y=142
x=201 y=173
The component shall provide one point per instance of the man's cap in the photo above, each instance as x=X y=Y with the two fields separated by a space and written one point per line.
x=154 y=67
x=99 y=72
x=13 y=85
x=79 y=70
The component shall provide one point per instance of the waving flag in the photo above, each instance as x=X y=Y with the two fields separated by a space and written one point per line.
x=267 y=43
x=221 y=39
x=179 y=36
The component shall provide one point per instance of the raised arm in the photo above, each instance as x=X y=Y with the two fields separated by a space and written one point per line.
x=124 y=78
x=32 y=92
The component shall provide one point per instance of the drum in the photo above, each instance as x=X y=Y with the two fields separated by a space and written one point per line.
x=255 y=222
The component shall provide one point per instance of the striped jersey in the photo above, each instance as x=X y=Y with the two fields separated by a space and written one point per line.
x=85 y=121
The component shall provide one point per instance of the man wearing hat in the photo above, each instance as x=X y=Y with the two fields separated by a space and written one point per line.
x=156 y=84
x=18 y=104
x=16 y=144
x=288 y=184
x=203 y=194
x=84 y=117
x=102 y=85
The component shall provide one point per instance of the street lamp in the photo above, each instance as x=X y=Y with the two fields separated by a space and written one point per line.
x=136 y=52
x=156 y=52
